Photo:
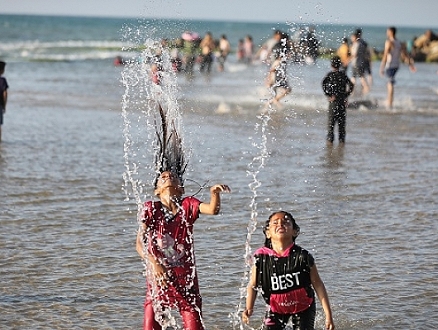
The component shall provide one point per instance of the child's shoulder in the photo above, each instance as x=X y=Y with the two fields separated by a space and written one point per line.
x=304 y=255
x=264 y=250
x=190 y=200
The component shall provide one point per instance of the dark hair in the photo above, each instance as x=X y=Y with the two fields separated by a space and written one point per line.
x=169 y=155
x=287 y=215
x=358 y=32
x=335 y=62
x=393 y=30
x=2 y=65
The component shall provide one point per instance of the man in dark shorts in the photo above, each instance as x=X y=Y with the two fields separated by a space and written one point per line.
x=392 y=55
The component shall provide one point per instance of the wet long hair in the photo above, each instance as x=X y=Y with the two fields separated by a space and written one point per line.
x=287 y=215
x=169 y=155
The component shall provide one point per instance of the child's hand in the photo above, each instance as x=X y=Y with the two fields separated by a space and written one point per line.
x=160 y=274
x=246 y=315
x=329 y=325
x=218 y=188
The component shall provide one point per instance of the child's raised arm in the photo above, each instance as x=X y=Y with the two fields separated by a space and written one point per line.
x=214 y=206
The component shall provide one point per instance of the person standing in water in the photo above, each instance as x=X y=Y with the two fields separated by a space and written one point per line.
x=165 y=238
x=277 y=76
x=287 y=278
x=224 y=49
x=359 y=54
x=392 y=54
x=3 y=95
x=344 y=54
x=337 y=87
x=207 y=47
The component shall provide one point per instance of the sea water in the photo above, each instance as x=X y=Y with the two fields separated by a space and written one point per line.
x=367 y=212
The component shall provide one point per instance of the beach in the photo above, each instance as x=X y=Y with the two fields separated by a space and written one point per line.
x=69 y=217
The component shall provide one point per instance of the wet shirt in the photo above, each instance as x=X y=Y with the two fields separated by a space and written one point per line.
x=169 y=238
x=337 y=84
x=285 y=279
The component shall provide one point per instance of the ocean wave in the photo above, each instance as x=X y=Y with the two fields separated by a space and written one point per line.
x=65 y=50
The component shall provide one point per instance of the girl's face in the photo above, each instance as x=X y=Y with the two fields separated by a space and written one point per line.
x=281 y=227
x=168 y=179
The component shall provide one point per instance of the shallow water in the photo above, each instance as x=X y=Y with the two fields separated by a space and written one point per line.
x=367 y=213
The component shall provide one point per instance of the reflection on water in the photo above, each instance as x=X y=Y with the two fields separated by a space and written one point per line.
x=334 y=156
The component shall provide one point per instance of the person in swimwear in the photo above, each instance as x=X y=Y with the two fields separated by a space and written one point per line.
x=394 y=51
x=165 y=238
x=287 y=276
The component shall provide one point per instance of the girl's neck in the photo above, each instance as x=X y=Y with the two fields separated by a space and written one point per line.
x=281 y=246
x=171 y=202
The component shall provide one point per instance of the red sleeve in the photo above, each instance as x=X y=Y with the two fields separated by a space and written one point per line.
x=146 y=213
x=191 y=207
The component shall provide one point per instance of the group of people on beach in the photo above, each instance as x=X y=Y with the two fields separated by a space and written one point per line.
x=337 y=86
x=191 y=50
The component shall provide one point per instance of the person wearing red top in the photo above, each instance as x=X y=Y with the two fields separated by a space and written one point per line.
x=165 y=242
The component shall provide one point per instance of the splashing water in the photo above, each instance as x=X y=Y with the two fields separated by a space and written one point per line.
x=254 y=167
x=149 y=82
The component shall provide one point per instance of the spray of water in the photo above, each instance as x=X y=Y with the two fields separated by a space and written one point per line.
x=150 y=83
x=254 y=167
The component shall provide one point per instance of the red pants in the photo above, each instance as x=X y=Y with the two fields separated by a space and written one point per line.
x=188 y=301
x=191 y=319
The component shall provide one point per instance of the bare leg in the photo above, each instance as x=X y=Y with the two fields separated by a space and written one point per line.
x=365 y=87
x=282 y=93
x=370 y=80
x=390 y=100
